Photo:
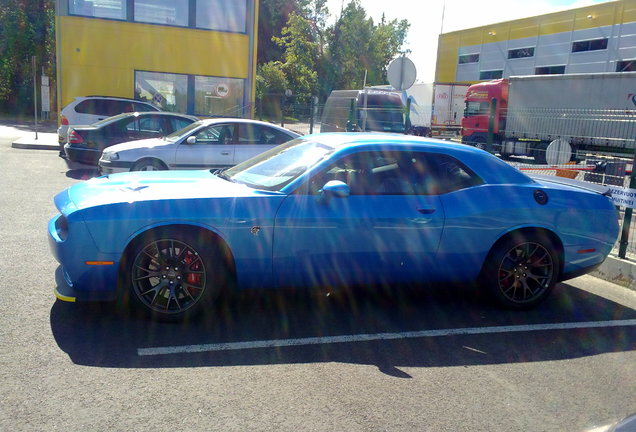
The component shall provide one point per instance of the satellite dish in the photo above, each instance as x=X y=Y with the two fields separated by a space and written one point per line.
x=401 y=73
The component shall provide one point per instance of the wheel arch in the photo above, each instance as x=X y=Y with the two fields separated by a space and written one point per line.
x=137 y=162
x=530 y=231
x=209 y=236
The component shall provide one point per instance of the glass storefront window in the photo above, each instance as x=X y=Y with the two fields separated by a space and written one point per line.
x=168 y=91
x=171 y=12
x=223 y=15
x=216 y=96
x=113 y=9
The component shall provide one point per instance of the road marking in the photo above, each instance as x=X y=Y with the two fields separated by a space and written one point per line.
x=273 y=343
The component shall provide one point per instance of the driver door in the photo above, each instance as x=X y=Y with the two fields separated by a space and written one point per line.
x=377 y=234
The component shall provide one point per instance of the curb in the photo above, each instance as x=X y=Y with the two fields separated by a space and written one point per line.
x=45 y=141
x=32 y=146
x=617 y=271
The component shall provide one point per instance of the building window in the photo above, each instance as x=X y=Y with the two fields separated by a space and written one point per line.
x=521 y=53
x=589 y=45
x=491 y=74
x=222 y=15
x=169 y=91
x=113 y=9
x=216 y=96
x=550 y=70
x=626 y=66
x=170 y=12
x=468 y=58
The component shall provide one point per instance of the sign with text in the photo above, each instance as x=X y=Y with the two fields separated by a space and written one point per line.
x=624 y=197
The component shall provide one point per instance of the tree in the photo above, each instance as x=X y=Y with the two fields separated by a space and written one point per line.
x=300 y=54
x=26 y=30
x=270 y=79
x=272 y=17
x=356 y=45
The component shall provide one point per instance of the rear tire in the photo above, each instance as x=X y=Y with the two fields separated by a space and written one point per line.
x=521 y=271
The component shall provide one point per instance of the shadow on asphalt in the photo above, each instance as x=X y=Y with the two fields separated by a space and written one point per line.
x=82 y=173
x=101 y=335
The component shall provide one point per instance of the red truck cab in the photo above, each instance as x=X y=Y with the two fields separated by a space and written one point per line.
x=477 y=111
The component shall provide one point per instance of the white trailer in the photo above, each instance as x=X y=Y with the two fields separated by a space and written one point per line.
x=553 y=116
x=448 y=107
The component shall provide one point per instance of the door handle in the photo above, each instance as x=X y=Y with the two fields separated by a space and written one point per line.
x=426 y=210
x=225 y=153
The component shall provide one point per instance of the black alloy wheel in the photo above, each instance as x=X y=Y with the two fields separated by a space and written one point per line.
x=171 y=277
x=520 y=274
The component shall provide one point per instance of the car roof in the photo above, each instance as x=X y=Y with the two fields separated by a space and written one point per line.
x=215 y=120
x=113 y=98
x=487 y=166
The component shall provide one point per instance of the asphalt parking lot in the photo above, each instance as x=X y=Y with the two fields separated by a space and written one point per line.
x=437 y=359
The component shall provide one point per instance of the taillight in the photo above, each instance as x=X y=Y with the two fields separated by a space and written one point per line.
x=64 y=120
x=75 y=138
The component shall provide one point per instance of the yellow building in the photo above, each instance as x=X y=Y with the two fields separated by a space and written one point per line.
x=190 y=56
x=599 y=38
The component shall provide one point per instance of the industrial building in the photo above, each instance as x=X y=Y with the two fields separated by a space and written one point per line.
x=598 y=38
x=190 y=56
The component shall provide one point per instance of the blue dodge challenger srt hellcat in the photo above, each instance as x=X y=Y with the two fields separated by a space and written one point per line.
x=328 y=210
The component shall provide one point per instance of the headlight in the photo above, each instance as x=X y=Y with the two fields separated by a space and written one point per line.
x=110 y=156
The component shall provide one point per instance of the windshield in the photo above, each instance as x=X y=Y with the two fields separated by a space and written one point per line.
x=279 y=166
x=474 y=108
x=181 y=132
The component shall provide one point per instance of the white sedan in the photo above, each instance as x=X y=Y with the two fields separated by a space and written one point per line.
x=212 y=143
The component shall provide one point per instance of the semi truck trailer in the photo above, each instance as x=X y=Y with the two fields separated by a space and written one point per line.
x=553 y=118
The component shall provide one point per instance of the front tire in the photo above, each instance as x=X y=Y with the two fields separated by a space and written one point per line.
x=172 y=274
x=149 y=165
x=521 y=271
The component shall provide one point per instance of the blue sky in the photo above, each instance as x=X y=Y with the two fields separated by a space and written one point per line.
x=425 y=17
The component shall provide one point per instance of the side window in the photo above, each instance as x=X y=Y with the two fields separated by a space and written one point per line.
x=355 y=170
x=398 y=173
x=274 y=136
x=132 y=125
x=249 y=134
x=448 y=175
x=217 y=134
x=151 y=124
x=86 y=107
x=178 y=124
x=117 y=107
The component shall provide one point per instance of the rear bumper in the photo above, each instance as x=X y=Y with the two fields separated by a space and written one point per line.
x=82 y=155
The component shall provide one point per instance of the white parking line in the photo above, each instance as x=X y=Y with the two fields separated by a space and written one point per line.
x=377 y=336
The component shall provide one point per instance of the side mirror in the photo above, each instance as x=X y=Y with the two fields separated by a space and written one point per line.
x=334 y=189
x=191 y=139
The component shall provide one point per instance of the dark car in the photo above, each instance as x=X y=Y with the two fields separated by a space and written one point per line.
x=86 y=143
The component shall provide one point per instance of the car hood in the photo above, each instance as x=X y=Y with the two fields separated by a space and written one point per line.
x=151 y=186
x=140 y=144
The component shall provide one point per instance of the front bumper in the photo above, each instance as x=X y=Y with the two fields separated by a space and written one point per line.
x=84 y=274
x=111 y=167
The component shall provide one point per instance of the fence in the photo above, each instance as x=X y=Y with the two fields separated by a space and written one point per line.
x=302 y=115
